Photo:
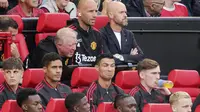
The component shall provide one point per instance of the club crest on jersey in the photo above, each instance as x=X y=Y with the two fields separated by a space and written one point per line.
x=93 y=45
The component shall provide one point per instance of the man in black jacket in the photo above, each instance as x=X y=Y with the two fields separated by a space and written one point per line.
x=89 y=39
x=64 y=44
x=144 y=8
x=120 y=41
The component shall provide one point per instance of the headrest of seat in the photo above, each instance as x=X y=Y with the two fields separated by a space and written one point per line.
x=83 y=76
x=52 y=22
x=11 y=106
x=32 y=77
x=19 y=21
x=184 y=78
x=157 y=107
x=56 y=105
x=101 y=21
x=127 y=79
x=106 y=107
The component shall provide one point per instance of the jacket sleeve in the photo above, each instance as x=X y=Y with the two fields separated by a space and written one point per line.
x=196 y=103
x=2 y=100
x=135 y=8
x=134 y=58
x=104 y=44
x=91 y=99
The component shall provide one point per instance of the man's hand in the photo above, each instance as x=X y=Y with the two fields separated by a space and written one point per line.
x=14 y=51
x=134 y=51
x=4 y=3
x=164 y=90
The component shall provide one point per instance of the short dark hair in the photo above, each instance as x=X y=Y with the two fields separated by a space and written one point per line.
x=49 y=57
x=23 y=95
x=146 y=64
x=6 y=22
x=72 y=99
x=118 y=98
x=12 y=63
x=102 y=56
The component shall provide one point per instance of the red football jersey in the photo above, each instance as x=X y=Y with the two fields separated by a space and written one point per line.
x=179 y=10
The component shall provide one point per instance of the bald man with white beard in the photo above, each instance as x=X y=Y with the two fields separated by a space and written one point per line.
x=119 y=41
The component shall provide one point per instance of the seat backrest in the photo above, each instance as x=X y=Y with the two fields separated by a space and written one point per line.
x=19 y=21
x=184 y=78
x=197 y=108
x=157 y=107
x=56 y=105
x=41 y=36
x=106 y=107
x=1 y=77
x=11 y=106
x=83 y=76
x=127 y=80
x=32 y=77
x=101 y=21
x=51 y=22
x=22 y=46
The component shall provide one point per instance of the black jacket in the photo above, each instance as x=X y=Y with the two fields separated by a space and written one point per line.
x=142 y=97
x=96 y=94
x=89 y=44
x=135 y=8
x=34 y=59
x=128 y=42
x=46 y=91
x=6 y=93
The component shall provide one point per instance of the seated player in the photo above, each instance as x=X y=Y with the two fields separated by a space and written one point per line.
x=103 y=90
x=77 y=102
x=51 y=87
x=125 y=103
x=29 y=100
x=148 y=90
x=180 y=102
x=13 y=71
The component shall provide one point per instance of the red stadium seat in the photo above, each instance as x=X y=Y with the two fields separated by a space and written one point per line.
x=22 y=47
x=41 y=36
x=19 y=21
x=127 y=80
x=106 y=107
x=32 y=77
x=157 y=107
x=101 y=21
x=1 y=77
x=49 y=24
x=11 y=106
x=185 y=80
x=82 y=77
x=56 y=105
x=197 y=108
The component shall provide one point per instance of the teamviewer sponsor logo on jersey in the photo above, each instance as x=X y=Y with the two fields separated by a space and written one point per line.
x=81 y=58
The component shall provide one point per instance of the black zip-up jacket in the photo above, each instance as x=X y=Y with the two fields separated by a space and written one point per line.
x=142 y=97
x=6 y=93
x=128 y=42
x=89 y=44
x=46 y=91
x=34 y=59
x=96 y=94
